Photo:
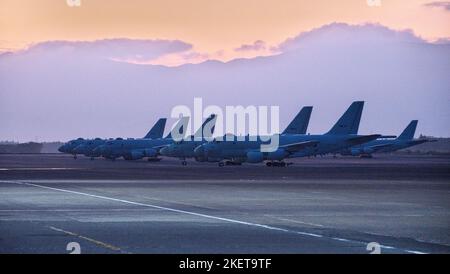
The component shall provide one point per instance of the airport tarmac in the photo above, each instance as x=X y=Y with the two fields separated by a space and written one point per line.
x=317 y=205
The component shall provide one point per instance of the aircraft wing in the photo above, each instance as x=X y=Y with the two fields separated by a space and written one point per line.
x=363 y=139
x=388 y=136
x=294 y=147
x=378 y=147
x=160 y=147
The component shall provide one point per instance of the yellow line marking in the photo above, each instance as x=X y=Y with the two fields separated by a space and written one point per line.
x=100 y=243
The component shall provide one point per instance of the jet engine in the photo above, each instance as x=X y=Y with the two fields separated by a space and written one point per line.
x=134 y=155
x=355 y=151
x=278 y=154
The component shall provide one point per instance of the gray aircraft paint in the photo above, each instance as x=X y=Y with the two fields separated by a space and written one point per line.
x=133 y=149
x=185 y=148
x=88 y=146
x=340 y=136
x=157 y=131
x=299 y=125
x=404 y=140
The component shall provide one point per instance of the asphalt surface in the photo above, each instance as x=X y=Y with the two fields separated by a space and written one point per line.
x=317 y=205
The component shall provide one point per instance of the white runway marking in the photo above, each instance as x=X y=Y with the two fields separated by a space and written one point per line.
x=178 y=202
x=340 y=239
x=201 y=215
x=294 y=221
x=415 y=252
x=74 y=210
x=40 y=168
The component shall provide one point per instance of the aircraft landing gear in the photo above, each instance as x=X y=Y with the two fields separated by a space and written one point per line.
x=153 y=159
x=278 y=164
x=184 y=163
x=229 y=163
x=75 y=156
x=92 y=158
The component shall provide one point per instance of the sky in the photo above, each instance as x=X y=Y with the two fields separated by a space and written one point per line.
x=110 y=68
x=220 y=30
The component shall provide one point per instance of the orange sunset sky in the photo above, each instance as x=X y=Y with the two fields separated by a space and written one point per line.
x=214 y=28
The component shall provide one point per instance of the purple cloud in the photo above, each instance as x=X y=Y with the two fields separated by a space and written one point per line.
x=439 y=4
x=115 y=49
x=256 y=46
x=336 y=34
x=400 y=76
x=442 y=41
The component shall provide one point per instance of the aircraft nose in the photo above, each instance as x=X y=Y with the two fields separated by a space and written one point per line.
x=62 y=148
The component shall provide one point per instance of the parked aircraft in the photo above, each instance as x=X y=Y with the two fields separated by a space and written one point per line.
x=70 y=146
x=87 y=146
x=299 y=125
x=341 y=135
x=134 y=149
x=184 y=149
x=404 y=140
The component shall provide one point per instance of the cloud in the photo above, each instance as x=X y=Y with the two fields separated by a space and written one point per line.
x=256 y=46
x=187 y=57
x=401 y=76
x=439 y=4
x=119 y=49
x=442 y=41
x=180 y=58
x=336 y=34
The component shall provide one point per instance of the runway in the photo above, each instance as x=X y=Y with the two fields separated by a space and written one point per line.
x=315 y=206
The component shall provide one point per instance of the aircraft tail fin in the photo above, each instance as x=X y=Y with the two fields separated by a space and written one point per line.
x=207 y=128
x=179 y=130
x=157 y=130
x=299 y=124
x=349 y=121
x=409 y=131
